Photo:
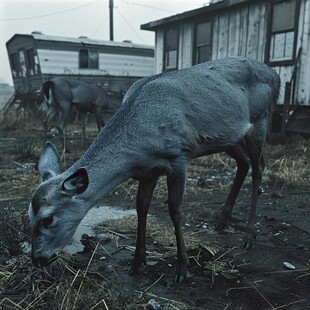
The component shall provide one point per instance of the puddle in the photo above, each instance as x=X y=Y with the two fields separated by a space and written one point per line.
x=95 y=216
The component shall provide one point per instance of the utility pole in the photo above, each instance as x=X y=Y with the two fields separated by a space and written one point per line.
x=111 y=20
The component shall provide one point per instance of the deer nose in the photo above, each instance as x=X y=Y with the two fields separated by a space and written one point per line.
x=41 y=261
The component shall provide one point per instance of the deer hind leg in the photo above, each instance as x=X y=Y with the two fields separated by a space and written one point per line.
x=143 y=201
x=254 y=147
x=176 y=185
x=99 y=118
x=238 y=153
x=83 y=119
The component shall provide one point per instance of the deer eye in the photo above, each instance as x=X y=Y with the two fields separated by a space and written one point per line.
x=47 y=221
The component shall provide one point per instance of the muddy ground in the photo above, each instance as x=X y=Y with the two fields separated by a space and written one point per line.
x=221 y=275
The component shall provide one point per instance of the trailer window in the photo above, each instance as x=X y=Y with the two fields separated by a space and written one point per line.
x=14 y=64
x=283 y=31
x=93 y=59
x=202 y=43
x=171 y=49
x=89 y=59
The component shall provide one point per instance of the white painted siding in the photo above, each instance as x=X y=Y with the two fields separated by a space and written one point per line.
x=125 y=65
x=67 y=62
x=58 y=62
x=159 y=51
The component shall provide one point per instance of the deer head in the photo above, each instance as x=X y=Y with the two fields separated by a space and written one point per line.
x=56 y=207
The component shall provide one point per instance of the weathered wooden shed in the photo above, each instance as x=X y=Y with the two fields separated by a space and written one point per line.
x=35 y=58
x=276 y=32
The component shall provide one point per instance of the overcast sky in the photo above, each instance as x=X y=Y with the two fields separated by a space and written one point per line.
x=74 y=18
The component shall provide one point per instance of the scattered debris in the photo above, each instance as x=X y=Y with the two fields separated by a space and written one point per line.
x=289 y=266
x=153 y=305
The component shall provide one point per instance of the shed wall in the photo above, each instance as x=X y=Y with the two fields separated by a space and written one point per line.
x=242 y=31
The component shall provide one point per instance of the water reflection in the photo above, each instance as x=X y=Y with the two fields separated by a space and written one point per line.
x=94 y=217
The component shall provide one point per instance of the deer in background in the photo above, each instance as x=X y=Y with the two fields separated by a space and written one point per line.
x=164 y=121
x=62 y=94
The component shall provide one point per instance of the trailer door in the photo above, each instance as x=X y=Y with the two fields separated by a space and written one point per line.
x=24 y=72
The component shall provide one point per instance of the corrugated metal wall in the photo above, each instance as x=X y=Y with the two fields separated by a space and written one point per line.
x=57 y=62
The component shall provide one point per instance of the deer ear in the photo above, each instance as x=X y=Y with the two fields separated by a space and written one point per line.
x=49 y=162
x=77 y=183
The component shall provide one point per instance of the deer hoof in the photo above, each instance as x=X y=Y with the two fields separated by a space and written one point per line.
x=260 y=190
x=220 y=226
x=135 y=268
x=248 y=240
x=222 y=222
x=179 y=278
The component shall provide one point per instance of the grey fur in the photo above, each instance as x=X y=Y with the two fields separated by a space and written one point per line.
x=165 y=121
x=49 y=166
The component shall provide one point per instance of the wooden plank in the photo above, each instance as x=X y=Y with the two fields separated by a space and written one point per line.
x=244 y=20
x=215 y=37
x=262 y=32
x=307 y=48
x=186 y=60
x=180 y=47
x=253 y=31
x=285 y=76
x=233 y=37
x=223 y=35
x=302 y=87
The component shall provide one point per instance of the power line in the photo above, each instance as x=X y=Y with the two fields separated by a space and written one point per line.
x=148 y=6
x=47 y=15
x=100 y=26
x=126 y=21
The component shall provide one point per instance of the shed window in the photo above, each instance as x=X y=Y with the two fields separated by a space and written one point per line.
x=283 y=31
x=89 y=59
x=202 y=43
x=171 y=49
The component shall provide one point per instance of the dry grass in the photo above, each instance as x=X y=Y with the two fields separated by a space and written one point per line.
x=66 y=286
x=14 y=231
x=20 y=120
x=60 y=287
x=288 y=165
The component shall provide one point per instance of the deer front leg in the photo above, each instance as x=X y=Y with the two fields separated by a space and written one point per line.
x=51 y=114
x=65 y=109
x=243 y=165
x=143 y=201
x=176 y=185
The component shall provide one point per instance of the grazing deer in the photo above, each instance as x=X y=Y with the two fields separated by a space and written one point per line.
x=164 y=121
x=62 y=94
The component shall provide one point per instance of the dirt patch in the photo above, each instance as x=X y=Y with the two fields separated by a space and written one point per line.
x=222 y=276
